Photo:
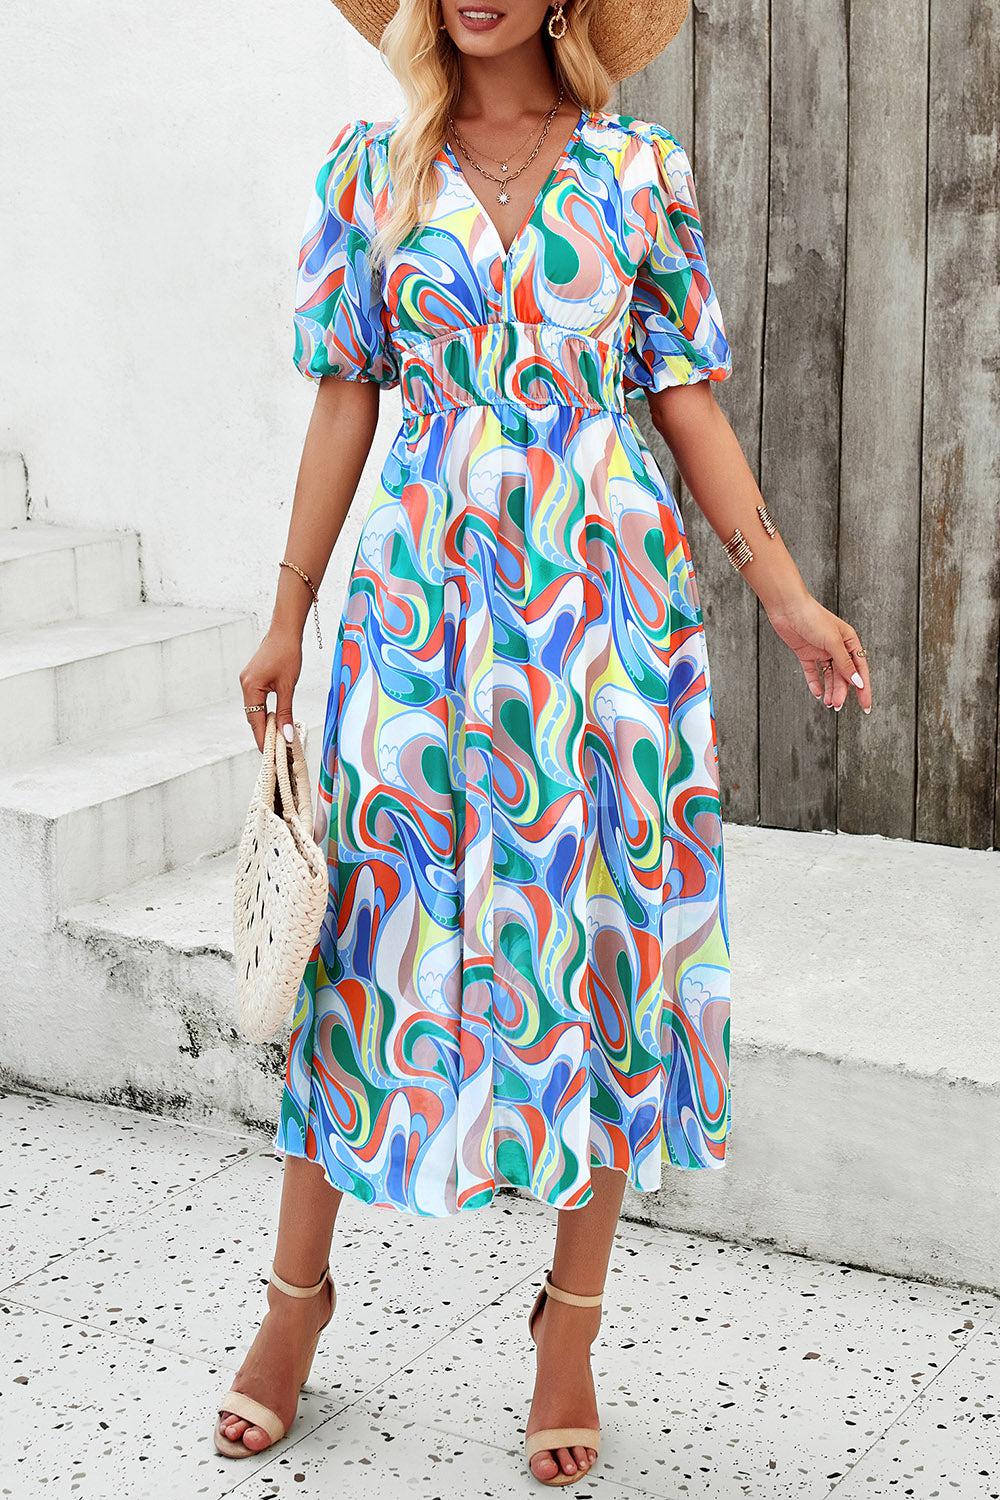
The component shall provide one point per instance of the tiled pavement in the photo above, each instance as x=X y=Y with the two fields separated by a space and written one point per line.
x=132 y=1255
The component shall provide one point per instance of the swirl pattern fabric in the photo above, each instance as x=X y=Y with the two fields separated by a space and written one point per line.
x=523 y=971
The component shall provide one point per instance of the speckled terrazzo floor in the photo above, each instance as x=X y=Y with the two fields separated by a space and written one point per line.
x=131 y=1257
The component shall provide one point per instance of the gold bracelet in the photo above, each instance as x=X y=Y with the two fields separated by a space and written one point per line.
x=308 y=581
x=738 y=550
x=765 y=520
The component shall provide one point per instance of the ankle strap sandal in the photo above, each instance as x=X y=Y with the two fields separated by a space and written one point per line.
x=550 y=1438
x=255 y=1412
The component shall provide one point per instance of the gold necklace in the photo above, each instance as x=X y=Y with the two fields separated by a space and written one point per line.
x=502 y=162
x=503 y=197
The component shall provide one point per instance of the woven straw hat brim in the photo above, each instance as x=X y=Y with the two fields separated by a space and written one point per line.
x=626 y=34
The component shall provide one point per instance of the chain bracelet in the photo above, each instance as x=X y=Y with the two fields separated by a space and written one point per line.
x=308 y=582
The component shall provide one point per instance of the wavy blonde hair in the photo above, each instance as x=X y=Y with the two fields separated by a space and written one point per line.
x=428 y=66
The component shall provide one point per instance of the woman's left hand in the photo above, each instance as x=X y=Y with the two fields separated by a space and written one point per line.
x=816 y=635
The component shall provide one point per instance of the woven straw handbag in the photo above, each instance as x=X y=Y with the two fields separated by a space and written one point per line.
x=282 y=885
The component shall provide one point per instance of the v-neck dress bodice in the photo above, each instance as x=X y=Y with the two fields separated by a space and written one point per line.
x=524 y=968
x=606 y=278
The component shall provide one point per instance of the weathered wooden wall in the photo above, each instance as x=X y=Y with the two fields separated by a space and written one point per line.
x=845 y=157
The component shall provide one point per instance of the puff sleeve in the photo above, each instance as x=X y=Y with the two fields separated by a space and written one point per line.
x=677 y=334
x=341 y=320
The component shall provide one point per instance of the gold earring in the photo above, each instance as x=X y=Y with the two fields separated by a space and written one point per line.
x=558 y=20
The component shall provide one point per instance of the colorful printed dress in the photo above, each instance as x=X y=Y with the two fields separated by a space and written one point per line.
x=523 y=971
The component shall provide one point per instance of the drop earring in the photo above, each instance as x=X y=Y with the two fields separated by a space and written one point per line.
x=558 y=24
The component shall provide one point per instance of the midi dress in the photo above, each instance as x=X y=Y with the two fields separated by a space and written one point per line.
x=523 y=970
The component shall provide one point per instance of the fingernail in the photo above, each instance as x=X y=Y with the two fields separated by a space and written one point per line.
x=288 y=732
x=837 y=707
x=867 y=710
x=858 y=680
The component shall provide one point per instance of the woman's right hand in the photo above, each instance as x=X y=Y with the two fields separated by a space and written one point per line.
x=273 y=668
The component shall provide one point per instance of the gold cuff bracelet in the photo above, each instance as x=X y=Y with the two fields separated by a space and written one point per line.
x=738 y=550
x=765 y=520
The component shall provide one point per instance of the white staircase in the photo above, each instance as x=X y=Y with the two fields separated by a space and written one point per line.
x=104 y=673
x=54 y=573
x=126 y=764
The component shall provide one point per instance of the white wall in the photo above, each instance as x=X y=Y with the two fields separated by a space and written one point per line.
x=155 y=168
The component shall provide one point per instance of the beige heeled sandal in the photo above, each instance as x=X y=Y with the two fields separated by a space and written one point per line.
x=253 y=1411
x=549 y=1438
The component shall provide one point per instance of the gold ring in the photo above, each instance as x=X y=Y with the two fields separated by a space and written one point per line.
x=254 y=708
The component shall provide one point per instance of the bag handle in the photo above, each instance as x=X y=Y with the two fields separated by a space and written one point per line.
x=265 y=781
x=291 y=770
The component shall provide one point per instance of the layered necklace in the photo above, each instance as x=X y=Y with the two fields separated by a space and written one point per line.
x=506 y=175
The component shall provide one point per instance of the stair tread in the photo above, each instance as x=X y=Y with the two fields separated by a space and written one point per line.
x=88 y=772
x=865 y=948
x=188 y=909
x=802 y=982
x=38 y=536
x=32 y=648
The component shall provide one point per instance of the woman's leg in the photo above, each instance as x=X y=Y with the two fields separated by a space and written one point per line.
x=272 y=1371
x=564 y=1383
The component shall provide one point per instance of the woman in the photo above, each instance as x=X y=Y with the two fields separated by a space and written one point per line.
x=523 y=975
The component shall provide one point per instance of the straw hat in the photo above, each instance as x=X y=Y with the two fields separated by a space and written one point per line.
x=626 y=34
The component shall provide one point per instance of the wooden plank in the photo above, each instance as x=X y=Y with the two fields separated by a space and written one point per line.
x=803 y=335
x=879 y=553
x=996 y=773
x=960 y=517
x=735 y=80
x=731 y=174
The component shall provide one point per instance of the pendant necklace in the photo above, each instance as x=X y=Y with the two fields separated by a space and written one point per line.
x=503 y=196
x=503 y=164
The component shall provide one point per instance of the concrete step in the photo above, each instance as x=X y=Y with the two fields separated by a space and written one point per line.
x=89 y=818
x=65 y=682
x=50 y=573
x=865 y=1050
x=185 y=912
x=171 y=936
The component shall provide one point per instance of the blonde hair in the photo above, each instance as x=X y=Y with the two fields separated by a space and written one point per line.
x=428 y=66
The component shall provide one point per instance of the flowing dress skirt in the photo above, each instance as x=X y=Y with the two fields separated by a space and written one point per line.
x=524 y=968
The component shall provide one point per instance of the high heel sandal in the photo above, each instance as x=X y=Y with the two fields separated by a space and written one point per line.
x=255 y=1412
x=550 y=1438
